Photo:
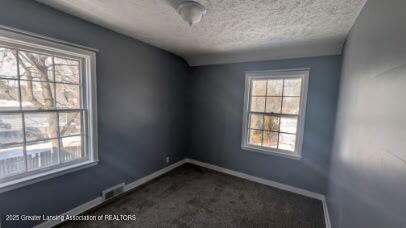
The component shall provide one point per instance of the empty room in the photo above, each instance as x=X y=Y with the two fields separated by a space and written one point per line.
x=203 y=113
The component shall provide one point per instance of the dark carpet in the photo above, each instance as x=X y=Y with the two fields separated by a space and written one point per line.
x=192 y=196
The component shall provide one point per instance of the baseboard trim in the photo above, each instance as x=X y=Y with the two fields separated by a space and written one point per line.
x=275 y=184
x=326 y=214
x=75 y=211
x=97 y=201
x=152 y=176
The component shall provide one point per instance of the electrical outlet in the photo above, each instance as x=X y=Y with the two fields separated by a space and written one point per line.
x=167 y=159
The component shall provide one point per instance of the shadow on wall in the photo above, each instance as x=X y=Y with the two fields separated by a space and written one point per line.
x=374 y=152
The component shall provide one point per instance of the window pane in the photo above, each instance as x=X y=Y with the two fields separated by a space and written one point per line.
x=287 y=142
x=8 y=63
x=40 y=126
x=71 y=148
x=291 y=105
x=11 y=160
x=42 y=154
x=292 y=87
x=270 y=139
x=11 y=129
x=257 y=104
x=67 y=96
x=66 y=70
x=288 y=124
x=273 y=104
x=256 y=121
x=69 y=123
x=271 y=123
x=35 y=66
x=37 y=95
x=258 y=87
x=9 y=95
x=275 y=88
x=255 y=137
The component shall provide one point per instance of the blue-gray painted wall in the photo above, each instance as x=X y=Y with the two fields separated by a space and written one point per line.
x=144 y=116
x=367 y=186
x=215 y=107
x=140 y=111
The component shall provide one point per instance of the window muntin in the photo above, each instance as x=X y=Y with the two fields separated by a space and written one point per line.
x=46 y=108
x=274 y=112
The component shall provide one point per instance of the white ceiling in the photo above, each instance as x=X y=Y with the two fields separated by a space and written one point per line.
x=231 y=31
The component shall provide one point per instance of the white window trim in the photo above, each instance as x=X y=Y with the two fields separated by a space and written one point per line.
x=24 y=39
x=275 y=74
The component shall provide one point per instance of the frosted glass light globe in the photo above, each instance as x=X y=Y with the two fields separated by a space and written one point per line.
x=192 y=12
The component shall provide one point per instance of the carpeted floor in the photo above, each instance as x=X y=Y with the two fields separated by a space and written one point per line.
x=191 y=196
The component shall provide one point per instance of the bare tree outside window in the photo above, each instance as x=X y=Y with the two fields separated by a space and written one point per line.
x=44 y=90
x=274 y=112
x=48 y=113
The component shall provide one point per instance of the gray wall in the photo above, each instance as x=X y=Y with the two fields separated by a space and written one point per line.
x=368 y=168
x=143 y=117
x=140 y=110
x=216 y=111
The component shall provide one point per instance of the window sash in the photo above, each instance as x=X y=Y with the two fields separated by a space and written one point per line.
x=263 y=114
x=87 y=109
x=303 y=74
x=26 y=110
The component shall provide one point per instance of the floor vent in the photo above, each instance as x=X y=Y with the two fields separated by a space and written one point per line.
x=113 y=191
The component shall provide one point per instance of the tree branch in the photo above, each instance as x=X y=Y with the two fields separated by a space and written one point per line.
x=68 y=125
x=29 y=91
x=39 y=64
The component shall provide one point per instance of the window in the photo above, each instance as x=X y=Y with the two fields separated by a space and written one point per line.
x=47 y=109
x=274 y=112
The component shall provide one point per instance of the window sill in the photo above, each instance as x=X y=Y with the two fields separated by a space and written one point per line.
x=11 y=185
x=290 y=155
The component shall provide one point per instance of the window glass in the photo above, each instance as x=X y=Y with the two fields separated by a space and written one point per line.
x=257 y=104
x=35 y=66
x=8 y=63
x=270 y=139
x=41 y=154
x=67 y=96
x=259 y=88
x=70 y=123
x=256 y=121
x=273 y=104
x=12 y=160
x=67 y=70
x=9 y=94
x=11 y=129
x=43 y=111
x=292 y=87
x=290 y=105
x=71 y=148
x=255 y=137
x=275 y=88
x=274 y=112
x=39 y=126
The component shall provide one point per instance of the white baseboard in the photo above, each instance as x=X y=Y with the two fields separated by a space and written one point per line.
x=326 y=214
x=152 y=176
x=75 y=211
x=285 y=187
x=99 y=200
x=95 y=202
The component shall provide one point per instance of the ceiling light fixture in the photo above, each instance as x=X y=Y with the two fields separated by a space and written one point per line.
x=192 y=12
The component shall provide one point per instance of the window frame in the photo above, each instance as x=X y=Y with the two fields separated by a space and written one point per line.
x=303 y=73
x=88 y=91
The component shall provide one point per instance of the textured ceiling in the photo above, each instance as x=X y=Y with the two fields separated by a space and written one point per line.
x=231 y=31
